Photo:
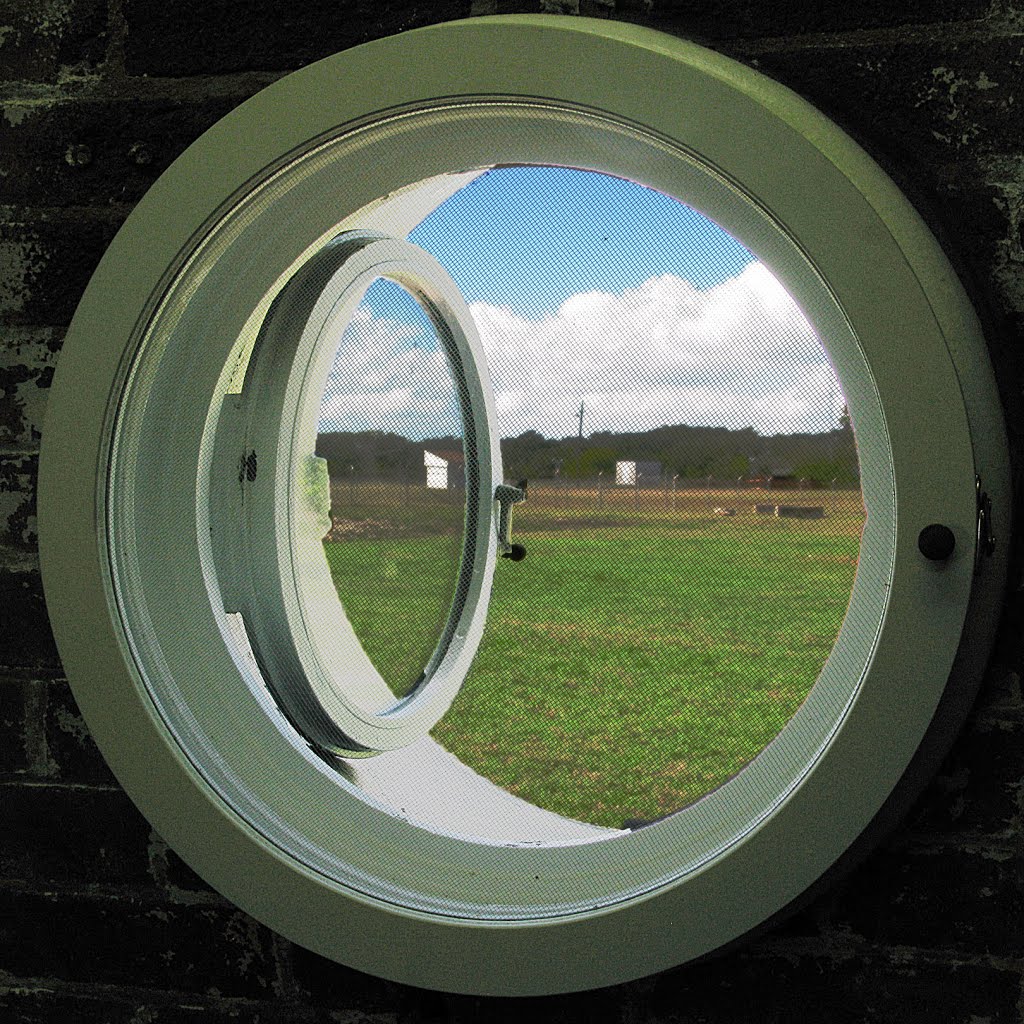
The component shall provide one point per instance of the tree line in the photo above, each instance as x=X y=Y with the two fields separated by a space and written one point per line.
x=687 y=451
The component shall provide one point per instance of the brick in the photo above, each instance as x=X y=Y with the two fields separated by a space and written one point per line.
x=516 y=7
x=181 y=876
x=850 y=988
x=602 y=1007
x=46 y=262
x=980 y=788
x=262 y=35
x=326 y=984
x=323 y=982
x=926 y=104
x=43 y=40
x=1003 y=188
x=981 y=210
x=741 y=19
x=26 y=642
x=132 y=940
x=13 y=713
x=60 y=835
x=1001 y=695
x=169 y=870
x=27 y=360
x=71 y=748
x=29 y=1003
x=80 y=152
x=945 y=899
x=26 y=1004
x=18 y=501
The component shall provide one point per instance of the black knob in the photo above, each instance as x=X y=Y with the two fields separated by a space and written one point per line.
x=936 y=542
x=516 y=552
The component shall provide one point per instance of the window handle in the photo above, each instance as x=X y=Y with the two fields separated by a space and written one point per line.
x=506 y=496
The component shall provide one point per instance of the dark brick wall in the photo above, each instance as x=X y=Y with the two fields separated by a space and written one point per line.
x=99 y=920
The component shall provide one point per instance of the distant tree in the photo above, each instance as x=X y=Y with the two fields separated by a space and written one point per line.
x=589 y=462
x=732 y=467
x=823 y=471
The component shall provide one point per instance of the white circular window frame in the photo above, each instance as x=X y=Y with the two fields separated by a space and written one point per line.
x=921 y=340
x=266 y=547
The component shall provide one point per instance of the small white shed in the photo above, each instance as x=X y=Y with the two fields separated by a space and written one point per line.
x=446 y=469
x=437 y=471
x=627 y=471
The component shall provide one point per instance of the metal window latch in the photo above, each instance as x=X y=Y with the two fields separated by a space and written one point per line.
x=986 y=541
x=507 y=496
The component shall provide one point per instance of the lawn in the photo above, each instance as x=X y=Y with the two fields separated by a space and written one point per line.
x=644 y=651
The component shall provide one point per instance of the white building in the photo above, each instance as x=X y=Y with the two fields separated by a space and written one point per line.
x=437 y=470
x=627 y=472
x=445 y=470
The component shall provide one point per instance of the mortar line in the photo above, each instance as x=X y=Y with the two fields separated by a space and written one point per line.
x=36 y=782
x=144 y=896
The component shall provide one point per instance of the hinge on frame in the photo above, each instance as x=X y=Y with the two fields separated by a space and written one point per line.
x=985 y=539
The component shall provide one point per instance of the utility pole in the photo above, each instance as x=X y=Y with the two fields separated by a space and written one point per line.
x=581 y=421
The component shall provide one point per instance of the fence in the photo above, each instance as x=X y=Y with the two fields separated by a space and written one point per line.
x=372 y=506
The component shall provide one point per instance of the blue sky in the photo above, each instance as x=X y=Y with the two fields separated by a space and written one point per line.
x=532 y=237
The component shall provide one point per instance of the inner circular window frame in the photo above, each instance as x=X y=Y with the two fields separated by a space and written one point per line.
x=268 y=554
x=937 y=322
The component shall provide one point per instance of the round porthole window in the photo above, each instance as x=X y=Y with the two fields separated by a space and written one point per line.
x=523 y=503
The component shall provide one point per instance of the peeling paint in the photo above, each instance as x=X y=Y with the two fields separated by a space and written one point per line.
x=156 y=853
x=20 y=262
x=948 y=94
x=17 y=517
x=14 y=113
x=37 y=750
x=243 y=932
x=73 y=725
x=55 y=22
x=872 y=67
x=999 y=856
x=1005 y=176
x=78 y=155
x=27 y=361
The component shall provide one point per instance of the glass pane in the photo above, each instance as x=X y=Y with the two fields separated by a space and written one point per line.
x=390 y=428
x=694 y=513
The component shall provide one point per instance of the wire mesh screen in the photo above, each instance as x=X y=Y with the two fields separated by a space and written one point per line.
x=693 y=517
x=694 y=514
x=391 y=430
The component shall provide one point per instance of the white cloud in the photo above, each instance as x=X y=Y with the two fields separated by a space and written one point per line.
x=739 y=354
x=389 y=375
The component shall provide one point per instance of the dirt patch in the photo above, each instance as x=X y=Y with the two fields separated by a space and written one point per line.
x=361 y=529
x=385 y=529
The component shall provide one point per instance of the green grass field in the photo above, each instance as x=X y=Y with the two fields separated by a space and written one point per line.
x=644 y=651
